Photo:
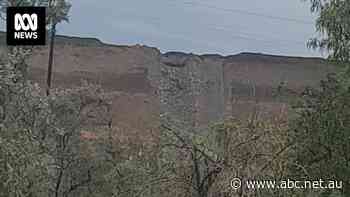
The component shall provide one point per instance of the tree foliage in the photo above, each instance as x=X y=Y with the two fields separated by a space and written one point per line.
x=322 y=134
x=40 y=152
x=23 y=159
x=57 y=9
x=334 y=25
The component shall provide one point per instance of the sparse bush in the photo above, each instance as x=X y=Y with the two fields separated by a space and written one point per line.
x=203 y=164
x=40 y=151
x=252 y=150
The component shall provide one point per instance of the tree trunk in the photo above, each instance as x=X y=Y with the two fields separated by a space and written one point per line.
x=49 y=70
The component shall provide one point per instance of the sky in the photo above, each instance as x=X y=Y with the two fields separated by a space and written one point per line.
x=279 y=27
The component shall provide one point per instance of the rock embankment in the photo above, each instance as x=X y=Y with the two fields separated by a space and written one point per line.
x=193 y=89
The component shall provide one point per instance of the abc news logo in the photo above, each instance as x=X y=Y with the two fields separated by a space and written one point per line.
x=26 y=26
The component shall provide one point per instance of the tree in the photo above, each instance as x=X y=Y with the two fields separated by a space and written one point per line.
x=70 y=110
x=58 y=12
x=40 y=153
x=23 y=158
x=321 y=130
x=321 y=135
x=334 y=25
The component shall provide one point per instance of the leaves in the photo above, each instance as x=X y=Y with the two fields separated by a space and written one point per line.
x=57 y=11
x=334 y=25
x=40 y=135
x=321 y=132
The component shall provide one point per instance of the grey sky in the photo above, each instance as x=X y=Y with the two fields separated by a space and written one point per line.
x=278 y=27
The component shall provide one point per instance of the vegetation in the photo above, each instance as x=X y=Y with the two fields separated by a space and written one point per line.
x=334 y=25
x=40 y=135
x=63 y=144
x=322 y=134
x=58 y=12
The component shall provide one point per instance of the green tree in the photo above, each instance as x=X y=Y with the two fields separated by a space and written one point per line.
x=40 y=153
x=322 y=135
x=23 y=112
x=322 y=130
x=334 y=25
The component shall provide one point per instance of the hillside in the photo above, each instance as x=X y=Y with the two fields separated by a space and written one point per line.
x=236 y=84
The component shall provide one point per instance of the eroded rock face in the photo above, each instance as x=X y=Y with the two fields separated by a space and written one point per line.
x=211 y=102
x=192 y=90
x=178 y=89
